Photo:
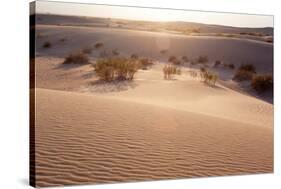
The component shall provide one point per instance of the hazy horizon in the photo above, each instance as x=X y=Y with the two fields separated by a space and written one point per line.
x=153 y=14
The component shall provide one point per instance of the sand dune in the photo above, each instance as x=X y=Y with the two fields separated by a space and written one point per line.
x=83 y=138
x=88 y=131
x=149 y=44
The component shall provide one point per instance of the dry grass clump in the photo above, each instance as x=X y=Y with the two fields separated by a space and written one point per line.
x=185 y=58
x=208 y=77
x=245 y=72
x=77 y=58
x=145 y=63
x=231 y=66
x=116 y=68
x=217 y=63
x=193 y=73
x=175 y=61
x=170 y=70
x=47 y=44
x=98 y=45
x=262 y=83
x=134 y=56
x=202 y=59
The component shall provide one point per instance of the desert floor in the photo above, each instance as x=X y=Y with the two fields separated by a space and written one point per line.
x=150 y=128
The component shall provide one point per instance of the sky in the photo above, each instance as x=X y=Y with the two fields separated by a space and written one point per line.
x=149 y=14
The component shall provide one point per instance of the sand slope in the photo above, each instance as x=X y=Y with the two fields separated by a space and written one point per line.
x=83 y=138
x=149 y=44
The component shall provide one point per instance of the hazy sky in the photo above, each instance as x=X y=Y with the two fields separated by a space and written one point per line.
x=239 y=20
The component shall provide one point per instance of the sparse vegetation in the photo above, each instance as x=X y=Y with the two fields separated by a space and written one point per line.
x=170 y=70
x=134 y=56
x=245 y=72
x=208 y=77
x=77 y=58
x=174 y=60
x=116 y=68
x=98 y=45
x=262 y=83
x=185 y=59
x=47 y=44
x=217 y=63
x=193 y=73
x=231 y=66
x=145 y=63
x=202 y=59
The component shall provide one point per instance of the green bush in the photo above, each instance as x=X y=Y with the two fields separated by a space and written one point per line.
x=262 y=83
x=116 y=68
x=77 y=58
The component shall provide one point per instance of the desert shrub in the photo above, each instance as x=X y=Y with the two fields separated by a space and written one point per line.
x=193 y=73
x=77 y=58
x=172 y=59
x=87 y=50
x=185 y=59
x=145 y=63
x=262 y=83
x=217 y=63
x=47 y=44
x=208 y=77
x=245 y=72
x=170 y=70
x=231 y=66
x=248 y=67
x=202 y=59
x=115 y=52
x=242 y=75
x=98 y=45
x=116 y=68
x=134 y=56
x=163 y=51
x=202 y=69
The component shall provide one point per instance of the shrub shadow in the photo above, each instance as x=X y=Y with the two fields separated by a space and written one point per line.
x=99 y=86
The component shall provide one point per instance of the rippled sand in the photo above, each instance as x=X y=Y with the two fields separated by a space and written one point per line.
x=83 y=138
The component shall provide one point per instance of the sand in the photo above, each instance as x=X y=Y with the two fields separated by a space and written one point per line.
x=150 y=128
x=84 y=138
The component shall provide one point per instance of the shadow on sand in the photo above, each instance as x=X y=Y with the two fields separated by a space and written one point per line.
x=99 y=86
x=69 y=66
